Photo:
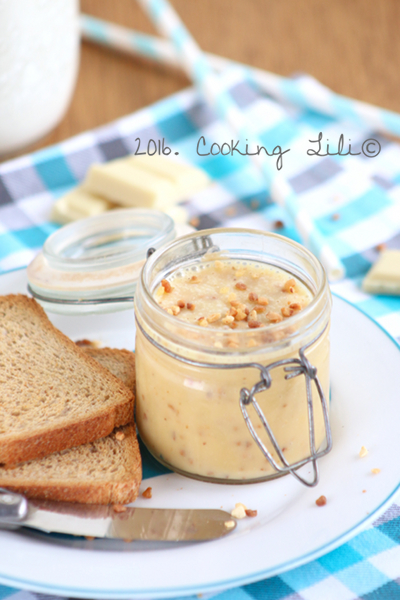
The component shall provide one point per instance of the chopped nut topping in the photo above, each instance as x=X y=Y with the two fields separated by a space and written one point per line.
x=119 y=508
x=219 y=292
x=214 y=317
x=228 y=319
x=295 y=306
x=239 y=512
x=240 y=315
x=321 y=501
x=167 y=286
x=289 y=286
x=335 y=217
x=363 y=452
x=89 y=538
x=120 y=436
x=375 y=471
x=274 y=317
x=253 y=315
x=263 y=301
x=259 y=309
x=250 y=513
x=279 y=224
x=148 y=492
x=381 y=247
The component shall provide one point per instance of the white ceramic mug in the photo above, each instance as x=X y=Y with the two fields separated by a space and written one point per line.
x=39 y=57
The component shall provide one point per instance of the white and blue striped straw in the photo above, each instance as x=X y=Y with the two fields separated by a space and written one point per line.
x=307 y=93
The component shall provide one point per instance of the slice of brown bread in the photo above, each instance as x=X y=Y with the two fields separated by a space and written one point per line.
x=107 y=471
x=120 y=362
x=53 y=395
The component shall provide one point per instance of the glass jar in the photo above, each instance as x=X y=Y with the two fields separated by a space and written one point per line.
x=197 y=396
x=92 y=265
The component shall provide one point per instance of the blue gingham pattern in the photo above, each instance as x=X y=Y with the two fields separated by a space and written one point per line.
x=363 y=192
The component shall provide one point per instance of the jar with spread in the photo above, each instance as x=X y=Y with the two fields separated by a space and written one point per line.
x=232 y=356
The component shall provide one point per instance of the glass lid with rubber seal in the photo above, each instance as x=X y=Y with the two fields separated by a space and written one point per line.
x=93 y=265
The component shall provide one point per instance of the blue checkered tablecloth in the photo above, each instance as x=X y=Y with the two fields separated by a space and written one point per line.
x=353 y=200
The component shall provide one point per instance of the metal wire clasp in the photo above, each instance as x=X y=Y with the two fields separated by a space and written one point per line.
x=294 y=367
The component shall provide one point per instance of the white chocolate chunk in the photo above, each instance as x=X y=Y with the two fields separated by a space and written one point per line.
x=88 y=204
x=384 y=275
x=121 y=182
x=76 y=205
x=187 y=179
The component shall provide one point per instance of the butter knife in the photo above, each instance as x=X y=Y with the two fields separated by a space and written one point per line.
x=99 y=521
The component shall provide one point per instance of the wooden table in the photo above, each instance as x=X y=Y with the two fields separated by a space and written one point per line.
x=352 y=46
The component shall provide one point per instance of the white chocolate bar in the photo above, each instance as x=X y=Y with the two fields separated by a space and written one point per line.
x=78 y=204
x=384 y=275
x=187 y=179
x=123 y=183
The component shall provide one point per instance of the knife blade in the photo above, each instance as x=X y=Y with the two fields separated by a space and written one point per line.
x=100 y=521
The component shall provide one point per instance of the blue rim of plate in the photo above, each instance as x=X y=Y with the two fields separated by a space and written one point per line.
x=221 y=585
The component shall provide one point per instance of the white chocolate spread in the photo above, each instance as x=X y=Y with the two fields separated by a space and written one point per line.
x=189 y=416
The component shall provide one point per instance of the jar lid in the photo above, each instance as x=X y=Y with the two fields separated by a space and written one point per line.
x=93 y=265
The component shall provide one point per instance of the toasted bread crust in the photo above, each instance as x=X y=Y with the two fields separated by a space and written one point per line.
x=88 y=491
x=26 y=444
x=19 y=450
x=92 y=493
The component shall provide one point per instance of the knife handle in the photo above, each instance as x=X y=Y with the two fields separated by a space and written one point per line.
x=13 y=508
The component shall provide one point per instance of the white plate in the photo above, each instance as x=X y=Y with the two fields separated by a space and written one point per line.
x=289 y=529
